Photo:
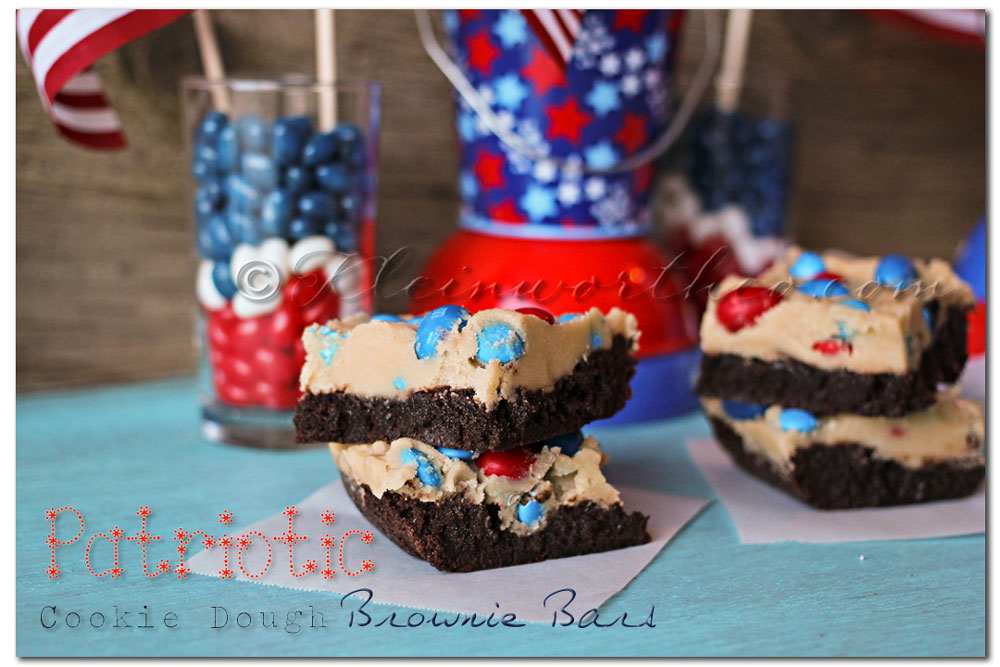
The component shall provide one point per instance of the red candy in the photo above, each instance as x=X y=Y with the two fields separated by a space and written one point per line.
x=512 y=463
x=833 y=347
x=828 y=275
x=742 y=306
x=539 y=313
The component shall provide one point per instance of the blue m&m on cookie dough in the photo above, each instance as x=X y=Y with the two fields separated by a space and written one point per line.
x=807 y=266
x=499 y=341
x=824 y=288
x=530 y=513
x=427 y=472
x=435 y=325
x=460 y=454
x=794 y=419
x=386 y=317
x=740 y=411
x=895 y=271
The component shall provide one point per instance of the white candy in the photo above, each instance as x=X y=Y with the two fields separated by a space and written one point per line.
x=208 y=295
x=310 y=254
x=245 y=307
x=335 y=267
x=276 y=252
x=243 y=254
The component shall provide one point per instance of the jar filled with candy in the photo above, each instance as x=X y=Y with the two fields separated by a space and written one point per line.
x=284 y=178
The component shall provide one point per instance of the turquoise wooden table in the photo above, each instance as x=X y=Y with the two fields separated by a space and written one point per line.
x=108 y=451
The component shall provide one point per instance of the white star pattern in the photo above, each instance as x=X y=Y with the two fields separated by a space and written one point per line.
x=610 y=64
x=545 y=171
x=631 y=84
x=635 y=58
x=652 y=78
x=569 y=193
x=594 y=187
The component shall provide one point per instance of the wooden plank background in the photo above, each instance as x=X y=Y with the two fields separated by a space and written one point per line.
x=890 y=155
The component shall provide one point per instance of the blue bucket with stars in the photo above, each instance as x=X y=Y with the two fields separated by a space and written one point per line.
x=557 y=110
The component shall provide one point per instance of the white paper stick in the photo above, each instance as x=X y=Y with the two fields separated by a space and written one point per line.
x=211 y=59
x=326 y=67
x=734 y=54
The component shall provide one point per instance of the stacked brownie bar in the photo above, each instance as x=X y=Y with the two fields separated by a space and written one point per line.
x=458 y=435
x=822 y=376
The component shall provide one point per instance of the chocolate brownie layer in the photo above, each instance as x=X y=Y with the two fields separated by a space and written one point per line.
x=460 y=536
x=847 y=475
x=598 y=387
x=794 y=384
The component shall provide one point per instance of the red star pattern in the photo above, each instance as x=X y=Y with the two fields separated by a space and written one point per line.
x=290 y=511
x=368 y=537
x=327 y=573
x=310 y=566
x=180 y=535
x=327 y=517
x=633 y=133
x=226 y=573
x=182 y=571
x=630 y=19
x=143 y=511
x=327 y=541
x=482 y=53
x=164 y=565
x=117 y=572
x=144 y=539
x=52 y=541
x=226 y=541
x=117 y=532
x=468 y=14
x=53 y=572
x=567 y=120
x=225 y=517
x=506 y=211
x=181 y=549
x=243 y=542
x=208 y=542
x=489 y=169
x=51 y=514
x=367 y=565
x=543 y=72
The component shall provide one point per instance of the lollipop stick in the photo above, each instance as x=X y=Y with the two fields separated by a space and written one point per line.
x=326 y=68
x=734 y=55
x=211 y=59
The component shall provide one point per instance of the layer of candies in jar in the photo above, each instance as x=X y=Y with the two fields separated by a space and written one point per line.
x=278 y=210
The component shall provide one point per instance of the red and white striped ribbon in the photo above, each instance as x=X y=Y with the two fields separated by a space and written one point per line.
x=557 y=29
x=60 y=45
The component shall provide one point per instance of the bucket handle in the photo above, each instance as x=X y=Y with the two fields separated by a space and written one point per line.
x=514 y=141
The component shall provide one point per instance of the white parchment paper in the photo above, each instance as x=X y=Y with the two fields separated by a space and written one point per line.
x=400 y=579
x=763 y=514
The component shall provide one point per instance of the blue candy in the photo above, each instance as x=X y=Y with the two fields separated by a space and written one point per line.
x=855 y=303
x=253 y=133
x=243 y=197
x=415 y=320
x=807 y=266
x=204 y=241
x=211 y=127
x=827 y=288
x=596 y=339
x=399 y=384
x=794 y=419
x=344 y=238
x=317 y=205
x=460 y=454
x=201 y=170
x=351 y=144
x=386 y=318
x=566 y=317
x=895 y=271
x=530 y=513
x=435 y=325
x=297 y=179
x=320 y=149
x=288 y=137
x=568 y=443
x=427 y=472
x=333 y=177
x=208 y=155
x=259 y=171
x=299 y=228
x=213 y=191
x=220 y=238
x=228 y=150
x=246 y=229
x=223 y=279
x=500 y=341
x=350 y=206
x=739 y=410
x=276 y=212
x=928 y=319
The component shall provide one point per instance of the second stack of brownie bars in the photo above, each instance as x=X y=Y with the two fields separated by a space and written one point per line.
x=458 y=435
x=821 y=376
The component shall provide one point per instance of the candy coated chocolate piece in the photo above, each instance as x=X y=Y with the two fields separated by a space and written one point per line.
x=245 y=229
x=300 y=228
x=824 y=288
x=317 y=205
x=807 y=266
x=385 y=317
x=740 y=411
x=288 y=137
x=222 y=278
x=568 y=443
x=499 y=341
x=514 y=463
x=427 y=472
x=310 y=253
x=566 y=317
x=210 y=127
x=297 y=179
x=276 y=213
x=460 y=454
x=742 y=306
x=794 y=419
x=259 y=171
x=435 y=325
x=539 y=313
x=209 y=295
x=531 y=512
x=320 y=149
x=333 y=177
x=928 y=319
x=228 y=150
x=275 y=252
x=220 y=238
x=895 y=271
x=832 y=347
x=857 y=304
x=253 y=133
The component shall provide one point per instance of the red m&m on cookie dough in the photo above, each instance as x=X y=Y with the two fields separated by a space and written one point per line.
x=742 y=306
